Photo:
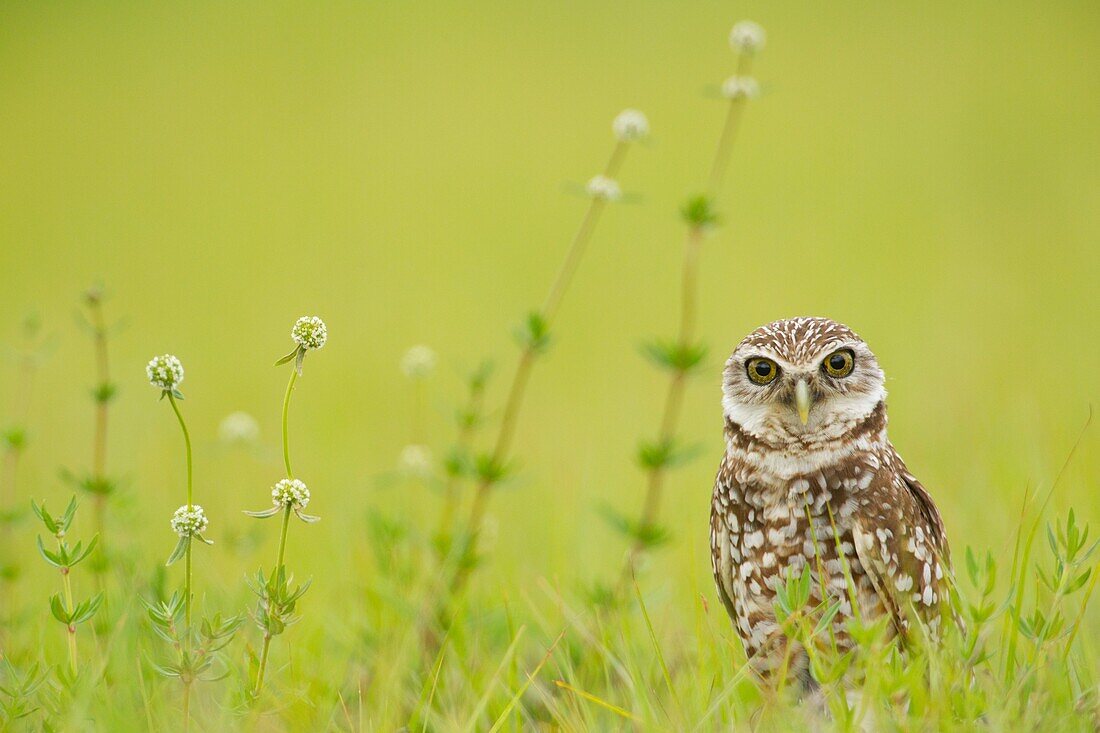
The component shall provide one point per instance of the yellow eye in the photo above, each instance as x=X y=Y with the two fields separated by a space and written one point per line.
x=839 y=364
x=761 y=370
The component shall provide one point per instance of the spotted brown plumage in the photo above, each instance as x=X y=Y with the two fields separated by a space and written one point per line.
x=810 y=480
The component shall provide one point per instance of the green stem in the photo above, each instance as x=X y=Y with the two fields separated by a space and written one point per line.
x=99 y=446
x=187 y=443
x=190 y=505
x=70 y=630
x=286 y=417
x=465 y=436
x=527 y=359
x=267 y=635
x=187 y=590
x=729 y=132
x=187 y=706
x=689 y=297
x=282 y=537
x=99 y=442
x=264 y=652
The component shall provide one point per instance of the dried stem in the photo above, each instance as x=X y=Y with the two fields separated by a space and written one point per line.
x=517 y=391
x=689 y=295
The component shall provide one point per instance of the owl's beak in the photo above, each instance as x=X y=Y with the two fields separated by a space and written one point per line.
x=802 y=400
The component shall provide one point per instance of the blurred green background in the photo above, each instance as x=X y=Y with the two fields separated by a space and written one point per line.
x=926 y=172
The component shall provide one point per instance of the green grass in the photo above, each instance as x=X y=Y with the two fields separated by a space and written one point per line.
x=926 y=175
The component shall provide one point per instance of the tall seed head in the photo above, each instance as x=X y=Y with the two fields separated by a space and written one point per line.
x=630 y=125
x=747 y=37
x=418 y=362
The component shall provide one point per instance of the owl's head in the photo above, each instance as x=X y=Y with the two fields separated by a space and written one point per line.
x=801 y=380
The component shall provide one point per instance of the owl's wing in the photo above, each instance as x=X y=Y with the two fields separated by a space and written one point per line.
x=900 y=543
x=723 y=563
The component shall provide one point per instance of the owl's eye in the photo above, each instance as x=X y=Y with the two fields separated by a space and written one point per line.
x=839 y=364
x=761 y=370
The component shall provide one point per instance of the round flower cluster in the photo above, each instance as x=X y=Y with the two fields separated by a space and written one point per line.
x=165 y=372
x=740 y=87
x=418 y=362
x=309 y=332
x=747 y=36
x=189 y=521
x=602 y=187
x=416 y=461
x=290 y=492
x=630 y=125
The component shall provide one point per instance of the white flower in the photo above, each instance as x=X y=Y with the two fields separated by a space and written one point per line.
x=290 y=492
x=602 y=187
x=239 y=428
x=418 y=362
x=740 y=87
x=309 y=332
x=164 y=372
x=416 y=461
x=630 y=125
x=189 y=521
x=747 y=36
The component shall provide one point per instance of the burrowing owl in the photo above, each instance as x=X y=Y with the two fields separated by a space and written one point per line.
x=808 y=469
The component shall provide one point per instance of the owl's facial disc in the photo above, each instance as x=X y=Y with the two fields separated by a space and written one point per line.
x=784 y=390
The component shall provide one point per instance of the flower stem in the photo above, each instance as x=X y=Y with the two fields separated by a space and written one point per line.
x=286 y=417
x=187 y=590
x=187 y=706
x=67 y=585
x=190 y=505
x=262 y=668
x=187 y=445
x=527 y=359
x=99 y=440
x=99 y=445
x=689 y=297
x=282 y=537
x=267 y=635
x=469 y=418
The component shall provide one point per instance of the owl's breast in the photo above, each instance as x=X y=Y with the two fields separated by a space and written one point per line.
x=771 y=529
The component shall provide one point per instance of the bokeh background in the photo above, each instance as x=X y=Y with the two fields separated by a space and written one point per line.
x=927 y=173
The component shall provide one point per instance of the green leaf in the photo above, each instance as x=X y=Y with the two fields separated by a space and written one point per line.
x=57 y=608
x=489 y=470
x=180 y=551
x=534 y=333
x=826 y=617
x=285 y=359
x=1079 y=582
x=87 y=609
x=675 y=357
x=264 y=514
x=698 y=211
x=46 y=518
x=88 y=551
x=51 y=557
x=648 y=535
x=665 y=454
x=104 y=393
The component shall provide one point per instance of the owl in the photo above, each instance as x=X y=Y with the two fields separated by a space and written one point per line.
x=810 y=482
